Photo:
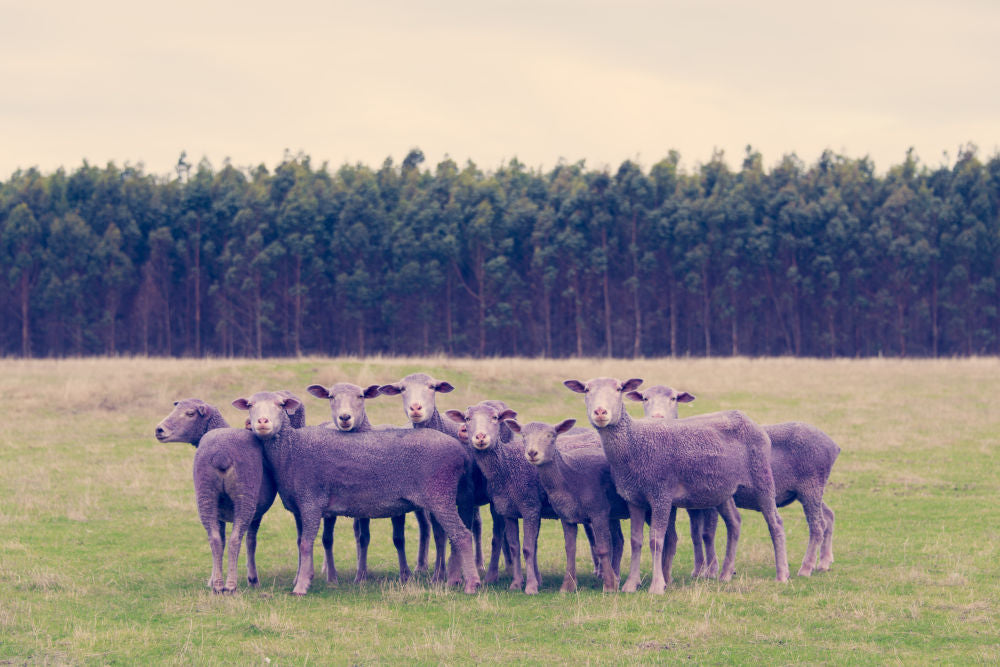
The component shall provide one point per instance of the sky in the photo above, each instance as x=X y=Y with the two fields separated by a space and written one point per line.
x=542 y=81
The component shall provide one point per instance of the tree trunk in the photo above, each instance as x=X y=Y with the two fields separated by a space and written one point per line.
x=197 y=290
x=547 y=318
x=607 y=295
x=25 y=289
x=637 y=340
x=706 y=313
x=673 y=316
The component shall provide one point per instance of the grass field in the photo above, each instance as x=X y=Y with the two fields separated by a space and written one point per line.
x=103 y=559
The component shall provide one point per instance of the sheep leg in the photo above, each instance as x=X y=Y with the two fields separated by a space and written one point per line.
x=637 y=517
x=235 y=542
x=309 y=520
x=826 y=553
x=569 y=538
x=731 y=517
x=460 y=537
x=252 y=578
x=440 y=539
x=424 y=526
x=603 y=543
x=709 y=523
x=362 y=538
x=695 y=517
x=215 y=542
x=497 y=544
x=777 y=530
x=329 y=568
x=658 y=529
x=399 y=541
x=813 y=509
x=477 y=536
x=617 y=545
x=514 y=540
x=593 y=549
x=670 y=546
x=532 y=526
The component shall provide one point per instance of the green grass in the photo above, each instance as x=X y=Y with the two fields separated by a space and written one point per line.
x=103 y=559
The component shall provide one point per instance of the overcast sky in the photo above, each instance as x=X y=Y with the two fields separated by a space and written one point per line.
x=539 y=80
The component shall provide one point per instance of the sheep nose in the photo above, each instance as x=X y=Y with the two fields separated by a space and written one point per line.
x=416 y=407
x=600 y=412
x=480 y=436
x=345 y=418
x=159 y=430
x=532 y=454
x=263 y=420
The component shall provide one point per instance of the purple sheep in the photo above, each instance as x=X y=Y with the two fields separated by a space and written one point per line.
x=372 y=474
x=578 y=485
x=230 y=482
x=801 y=459
x=347 y=406
x=696 y=463
x=419 y=391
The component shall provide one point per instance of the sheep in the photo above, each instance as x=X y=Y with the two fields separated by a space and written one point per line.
x=372 y=474
x=695 y=463
x=230 y=482
x=801 y=459
x=579 y=488
x=420 y=406
x=347 y=407
x=511 y=482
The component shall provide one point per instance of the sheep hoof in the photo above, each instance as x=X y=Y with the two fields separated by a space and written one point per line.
x=568 y=586
x=531 y=589
x=514 y=585
x=630 y=586
x=253 y=581
x=658 y=588
x=492 y=577
x=805 y=571
x=471 y=587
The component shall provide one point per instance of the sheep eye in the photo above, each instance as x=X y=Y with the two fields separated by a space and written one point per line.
x=190 y=413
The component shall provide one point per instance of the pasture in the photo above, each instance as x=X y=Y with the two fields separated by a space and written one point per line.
x=103 y=559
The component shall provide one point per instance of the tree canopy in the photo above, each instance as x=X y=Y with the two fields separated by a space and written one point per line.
x=828 y=259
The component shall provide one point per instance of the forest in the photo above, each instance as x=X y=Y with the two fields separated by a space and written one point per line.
x=830 y=259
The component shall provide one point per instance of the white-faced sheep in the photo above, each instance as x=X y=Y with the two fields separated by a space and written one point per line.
x=373 y=474
x=694 y=463
x=802 y=457
x=578 y=486
x=230 y=483
x=418 y=391
x=347 y=407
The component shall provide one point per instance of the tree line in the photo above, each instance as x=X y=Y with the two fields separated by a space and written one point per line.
x=827 y=259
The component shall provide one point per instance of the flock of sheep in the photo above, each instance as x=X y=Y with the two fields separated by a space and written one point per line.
x=445 y=467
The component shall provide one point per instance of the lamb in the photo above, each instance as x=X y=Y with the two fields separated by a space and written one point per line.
x=420 y=406
x=230 y=481
x=347 y=406
x=511 y=484
x=801 y=459
x=694 y=463
x=373 y=474
x=580 y=489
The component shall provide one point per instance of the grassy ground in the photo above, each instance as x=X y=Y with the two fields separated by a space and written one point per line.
x=103 y=560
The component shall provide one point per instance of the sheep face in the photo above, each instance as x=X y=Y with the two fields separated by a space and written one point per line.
x=603 y=398
x=540 y=439
x=187 y=422
x=418 y=392
x=268 y=412
x=659 y=401
x=482 y=424
x=347 y=402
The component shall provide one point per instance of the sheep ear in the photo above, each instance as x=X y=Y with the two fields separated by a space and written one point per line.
x=513 y=425
x=318 y=390
x=507 y=414
x=565 y=425
x=291 y=405
x=241 y=404
x=685 y=397
x=634 y=396
x=444 y=387
x=455 y=416
x=390 y=389
x=575 y=385
x=203 y=410
x=372 y=391
x=176 y=403
x=631 y=384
